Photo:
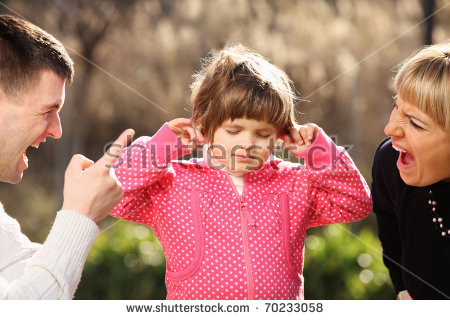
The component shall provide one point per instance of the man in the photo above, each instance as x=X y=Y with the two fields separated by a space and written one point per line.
x=34 y=67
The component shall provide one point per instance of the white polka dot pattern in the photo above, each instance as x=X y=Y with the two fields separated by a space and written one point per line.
x=219 y=245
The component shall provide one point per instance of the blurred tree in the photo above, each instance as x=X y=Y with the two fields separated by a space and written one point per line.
x=429 y=7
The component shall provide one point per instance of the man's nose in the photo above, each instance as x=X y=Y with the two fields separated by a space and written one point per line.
x=54 y=129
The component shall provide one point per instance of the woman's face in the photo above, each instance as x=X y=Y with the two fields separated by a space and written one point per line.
x=424 y=145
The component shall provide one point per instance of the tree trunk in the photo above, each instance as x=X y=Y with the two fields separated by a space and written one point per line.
x=428 y=7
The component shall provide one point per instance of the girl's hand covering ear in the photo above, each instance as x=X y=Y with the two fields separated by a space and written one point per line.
x=187 y=132
x=300 y=138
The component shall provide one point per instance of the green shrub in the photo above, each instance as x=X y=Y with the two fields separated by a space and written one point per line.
x=341 y=264
x=126 y=262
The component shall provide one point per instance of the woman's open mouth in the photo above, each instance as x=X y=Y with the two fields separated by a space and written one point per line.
x=405 y=158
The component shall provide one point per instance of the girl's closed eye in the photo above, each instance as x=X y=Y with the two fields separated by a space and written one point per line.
x=232 y=132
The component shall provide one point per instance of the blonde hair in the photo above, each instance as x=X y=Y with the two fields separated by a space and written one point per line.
x=237 y=82
x=424 y=81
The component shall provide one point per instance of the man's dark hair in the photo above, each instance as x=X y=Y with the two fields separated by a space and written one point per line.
x=25 y=51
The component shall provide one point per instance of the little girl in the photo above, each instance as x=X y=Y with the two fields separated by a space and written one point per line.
x=232 y=224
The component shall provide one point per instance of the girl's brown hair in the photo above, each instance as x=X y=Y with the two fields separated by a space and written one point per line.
x=237 y=82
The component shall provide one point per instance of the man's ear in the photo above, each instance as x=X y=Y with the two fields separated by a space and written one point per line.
x=15 y=99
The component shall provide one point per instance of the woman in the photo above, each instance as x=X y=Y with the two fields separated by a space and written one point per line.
x=411 y=178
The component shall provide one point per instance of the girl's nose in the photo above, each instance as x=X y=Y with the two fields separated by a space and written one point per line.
x=248 y=142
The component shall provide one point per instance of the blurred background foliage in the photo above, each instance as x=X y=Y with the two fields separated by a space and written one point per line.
x=134 y=60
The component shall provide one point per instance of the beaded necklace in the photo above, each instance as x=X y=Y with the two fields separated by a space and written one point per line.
x=439 y=221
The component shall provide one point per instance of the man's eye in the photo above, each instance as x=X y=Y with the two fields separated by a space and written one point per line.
x=416 y=126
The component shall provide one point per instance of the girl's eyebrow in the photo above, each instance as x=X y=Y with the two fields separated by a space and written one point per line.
x=233 y=126
x=236 y=126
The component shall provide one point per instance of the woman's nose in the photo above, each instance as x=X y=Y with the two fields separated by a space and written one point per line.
x=393 y=127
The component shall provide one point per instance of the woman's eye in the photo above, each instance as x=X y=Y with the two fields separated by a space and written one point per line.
x=232 y=132
x=415 y=125
x=264 y=135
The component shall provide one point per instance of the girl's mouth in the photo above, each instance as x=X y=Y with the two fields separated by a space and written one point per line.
x=243 y=158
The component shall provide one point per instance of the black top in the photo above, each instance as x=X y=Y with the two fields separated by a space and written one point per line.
x=414 y=251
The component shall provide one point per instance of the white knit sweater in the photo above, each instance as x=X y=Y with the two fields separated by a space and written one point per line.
x=50 y=271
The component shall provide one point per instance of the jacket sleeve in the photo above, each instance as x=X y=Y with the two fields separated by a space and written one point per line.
x=143 y=170
x=388 y=230
x=337 y=190
x=50 y=271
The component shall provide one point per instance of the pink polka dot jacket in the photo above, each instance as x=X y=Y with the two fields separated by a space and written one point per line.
x=220 y=245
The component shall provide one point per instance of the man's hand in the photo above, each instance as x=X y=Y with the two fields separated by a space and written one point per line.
x=92 y=188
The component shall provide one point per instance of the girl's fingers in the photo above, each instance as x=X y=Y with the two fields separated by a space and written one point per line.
x=304 y=134
x=314 y=129
x=198 y=133
x=310 y=131
x=177 y=125
x=286 y=140
x=191 y=132
x=182 y=121
x=187 y=132
x=295 y=135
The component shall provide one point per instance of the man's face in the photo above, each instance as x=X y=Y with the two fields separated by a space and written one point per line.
x=28 y=123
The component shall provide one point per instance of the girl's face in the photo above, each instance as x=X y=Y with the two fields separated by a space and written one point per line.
x=243 y=144
x=425 y=146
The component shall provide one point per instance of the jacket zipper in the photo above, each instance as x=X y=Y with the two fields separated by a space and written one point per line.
x=246 y=219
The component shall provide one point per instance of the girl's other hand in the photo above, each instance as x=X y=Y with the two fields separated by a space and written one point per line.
x=187 y=132
x=300 y=138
